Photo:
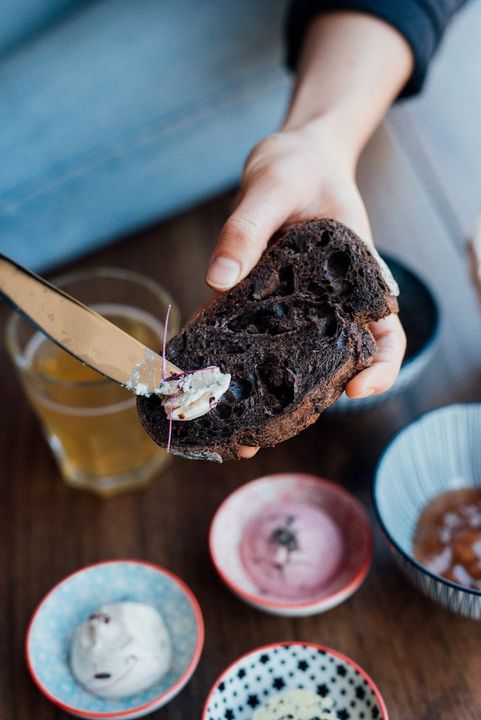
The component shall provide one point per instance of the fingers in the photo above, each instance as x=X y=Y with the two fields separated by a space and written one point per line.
x=260 y=212
x=381 y=375
x=247 y=452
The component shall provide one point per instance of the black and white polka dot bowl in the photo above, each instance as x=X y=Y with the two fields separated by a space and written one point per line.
x=420 y=314
x=254 y=679
x=439 y=452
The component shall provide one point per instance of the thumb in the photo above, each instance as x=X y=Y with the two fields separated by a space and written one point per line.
x=244 y=237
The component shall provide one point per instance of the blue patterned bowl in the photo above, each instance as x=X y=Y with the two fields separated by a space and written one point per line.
x=252 y=680
x=439 y=452
x=73 y=599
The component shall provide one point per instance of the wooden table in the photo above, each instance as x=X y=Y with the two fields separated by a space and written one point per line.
x=425 y=660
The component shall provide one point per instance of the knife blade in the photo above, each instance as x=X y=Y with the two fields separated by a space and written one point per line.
x=81 y=331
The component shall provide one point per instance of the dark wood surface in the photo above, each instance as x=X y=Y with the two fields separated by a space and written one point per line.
x=425 y=660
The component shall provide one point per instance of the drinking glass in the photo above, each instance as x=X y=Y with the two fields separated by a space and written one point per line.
x=90 y=422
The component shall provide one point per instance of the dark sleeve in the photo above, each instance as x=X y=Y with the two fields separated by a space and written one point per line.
x=422 y=22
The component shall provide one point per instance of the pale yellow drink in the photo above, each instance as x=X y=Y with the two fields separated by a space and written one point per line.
x=91 y=423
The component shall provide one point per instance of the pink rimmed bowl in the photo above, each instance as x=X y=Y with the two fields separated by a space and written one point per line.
x=75 y=598
x=237 y=510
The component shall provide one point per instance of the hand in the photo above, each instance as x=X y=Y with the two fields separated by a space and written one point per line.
x=291 y=176
x=351 y=67
x=295 y=175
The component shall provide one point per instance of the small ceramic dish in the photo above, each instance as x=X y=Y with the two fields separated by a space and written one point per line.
x=70 y=602
x=419 y=312
x=245 y=503
x=439 y=452
x=252 y=680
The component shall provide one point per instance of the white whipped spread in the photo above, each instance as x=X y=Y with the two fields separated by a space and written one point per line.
x=298 y=704
x=188 y=395
x=122 y=649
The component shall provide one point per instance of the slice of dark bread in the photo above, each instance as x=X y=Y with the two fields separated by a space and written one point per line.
x=292 y=334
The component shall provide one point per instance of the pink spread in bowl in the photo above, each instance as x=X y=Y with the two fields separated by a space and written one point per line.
x=291 y=544
x=291 y=549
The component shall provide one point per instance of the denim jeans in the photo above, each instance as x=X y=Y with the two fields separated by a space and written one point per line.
x=116 y=113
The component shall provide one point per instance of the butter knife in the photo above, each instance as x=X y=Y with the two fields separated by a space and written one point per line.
x=81 y=331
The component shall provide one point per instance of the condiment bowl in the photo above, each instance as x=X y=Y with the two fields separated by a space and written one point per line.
x=419 y=312
x=245 y=503
x=255 y=678
x=441 y=451
x=70 y=602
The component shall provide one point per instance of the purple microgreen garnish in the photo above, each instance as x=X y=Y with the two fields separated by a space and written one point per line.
x=164 y=342
x=181 y=379
x=169 y=440
x=170 y=405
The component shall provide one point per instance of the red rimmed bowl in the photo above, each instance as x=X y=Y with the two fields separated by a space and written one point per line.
x=260 y=675
x=236 y=513
x=70 y=602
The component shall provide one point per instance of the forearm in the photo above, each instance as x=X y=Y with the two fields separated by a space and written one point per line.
x=351 y=69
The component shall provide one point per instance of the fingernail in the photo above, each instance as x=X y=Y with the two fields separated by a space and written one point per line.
x=223 y=272
x=367 y=392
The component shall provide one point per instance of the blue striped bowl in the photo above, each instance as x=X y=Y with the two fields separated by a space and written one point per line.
x=439 y=452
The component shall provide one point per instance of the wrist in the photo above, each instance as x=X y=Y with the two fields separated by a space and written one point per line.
x=351 y=69
x=332 y=128
x=330 y=133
